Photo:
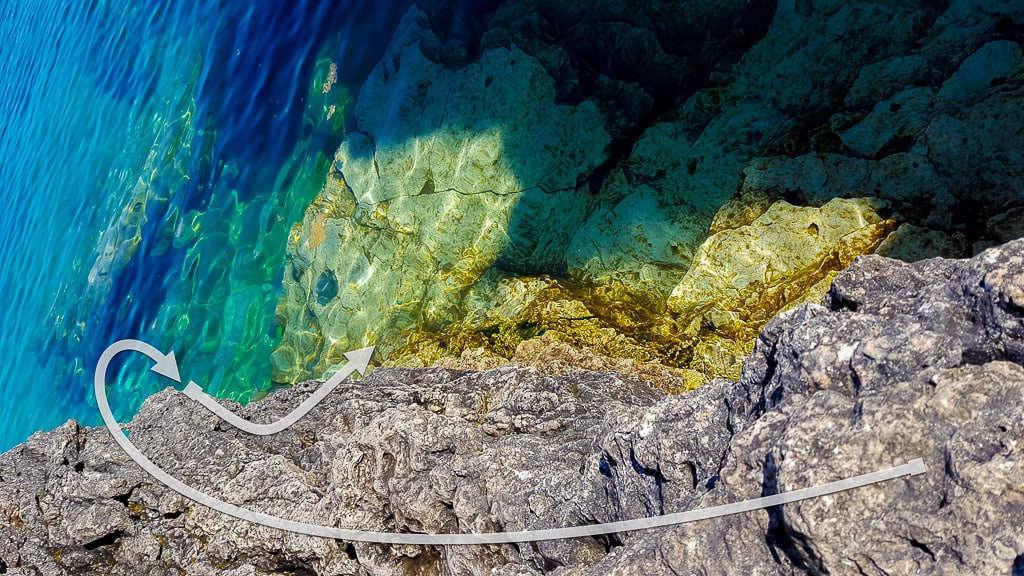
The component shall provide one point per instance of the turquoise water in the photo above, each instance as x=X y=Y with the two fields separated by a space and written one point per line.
x=154 y=157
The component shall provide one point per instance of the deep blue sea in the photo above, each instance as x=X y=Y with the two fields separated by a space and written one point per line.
x=153 y=157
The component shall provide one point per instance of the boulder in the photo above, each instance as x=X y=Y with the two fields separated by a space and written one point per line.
x=743 y=276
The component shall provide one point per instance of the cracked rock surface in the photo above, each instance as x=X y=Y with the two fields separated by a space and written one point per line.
x=899 y=361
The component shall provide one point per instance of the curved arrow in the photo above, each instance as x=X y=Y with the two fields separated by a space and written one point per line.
x=166 y=366
x=357 y=361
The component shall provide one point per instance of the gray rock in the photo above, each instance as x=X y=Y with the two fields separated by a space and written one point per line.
x=900 y=361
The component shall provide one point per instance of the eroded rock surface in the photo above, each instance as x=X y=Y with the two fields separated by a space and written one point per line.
x=423 y=196
x=900 y=361
x=744 y=274
x=580 y=157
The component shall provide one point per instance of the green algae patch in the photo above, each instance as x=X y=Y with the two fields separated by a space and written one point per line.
x=743 y=276
x=762 y=258
x=411 y=219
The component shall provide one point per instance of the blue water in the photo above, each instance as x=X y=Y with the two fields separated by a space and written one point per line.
x=153 y=157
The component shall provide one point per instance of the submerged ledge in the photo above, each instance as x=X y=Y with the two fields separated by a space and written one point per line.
x=650 y=180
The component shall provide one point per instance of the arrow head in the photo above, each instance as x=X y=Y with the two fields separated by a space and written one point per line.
x=360 y=358
x=167 y=366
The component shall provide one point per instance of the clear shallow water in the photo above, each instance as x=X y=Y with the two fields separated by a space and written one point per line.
x=154 y=158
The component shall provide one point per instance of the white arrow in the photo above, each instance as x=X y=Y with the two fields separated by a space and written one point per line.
x=357 y=361
x=166 y=366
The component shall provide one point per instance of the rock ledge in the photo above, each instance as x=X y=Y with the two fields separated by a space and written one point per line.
x=899 y=361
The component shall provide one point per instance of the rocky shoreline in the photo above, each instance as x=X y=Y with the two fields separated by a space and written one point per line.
x=899 y=361
x=617 y=284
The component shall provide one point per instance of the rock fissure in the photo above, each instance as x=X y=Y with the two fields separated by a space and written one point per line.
x=106 y=540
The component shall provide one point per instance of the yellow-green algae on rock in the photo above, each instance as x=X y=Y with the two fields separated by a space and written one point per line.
x=744 y=275
x=642 y=256
x=763 y=256
x=413 y=216
x=531 y=307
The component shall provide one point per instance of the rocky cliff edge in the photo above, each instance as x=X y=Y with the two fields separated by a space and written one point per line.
x=899 y=361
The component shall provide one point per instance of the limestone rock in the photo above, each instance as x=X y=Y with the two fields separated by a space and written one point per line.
x=935 y=153
x=684 y=167
x=610 y=324
x=933 y=370
x=509 y=140
x=743 y=276
x=428 y=192
x=682 y=170
x=764 y=255
x=907 y=184
x=911 y=243
x=396 y=441
x=989 y=67
x=901 y=361
x=552 y=356
x=882 y=80
x=648 y=238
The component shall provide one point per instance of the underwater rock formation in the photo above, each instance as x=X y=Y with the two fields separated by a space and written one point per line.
x=508 y=151
x=744 y=275
x=547 y=114
x=760 y=258
x=423 y=195
x=899 y=361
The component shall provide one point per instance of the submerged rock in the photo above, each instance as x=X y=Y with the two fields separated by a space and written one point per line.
x=611 y=325
x=508 y=145
x=743 y=276
x=900 y=361
x=425 y=195
x=762 y=257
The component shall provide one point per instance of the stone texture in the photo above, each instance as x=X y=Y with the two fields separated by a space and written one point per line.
x=550 y=355
x=899 y=361
x=605 y=323
x=598 y=147
x=690 y=162
x=934 y=370
x=762 y=256
x=743 y=276
x=424 y=197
